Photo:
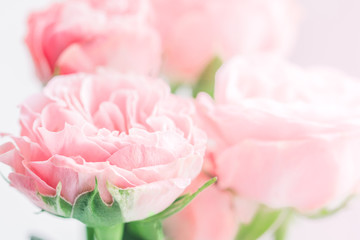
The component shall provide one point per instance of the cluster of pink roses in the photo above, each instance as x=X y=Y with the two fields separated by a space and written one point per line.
x=276 y=136
x=136 y=36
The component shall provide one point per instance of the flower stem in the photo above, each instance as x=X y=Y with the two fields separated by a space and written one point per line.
x=90 y=233
x=108 y=233
x=144 y=231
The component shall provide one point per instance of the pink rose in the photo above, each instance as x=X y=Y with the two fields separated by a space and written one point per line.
x=80 y=36
x=213 y=214
x=138 y=8
x=283 y=136
x=128 y=132
x=195 y=31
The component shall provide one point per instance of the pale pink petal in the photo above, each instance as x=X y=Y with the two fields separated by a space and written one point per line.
x=110 y=117
x=11 y=156
x=133 y=157
x=173 y=169
x=74 y=178
x=129 y=50
x=72 y=142
x=148 y=199
x=27 y=186
x=40 y=184
x=180 y=59
x=79 y=36
x=278 y=171
x=63 y=116
x=120 y=178
x=223 y=29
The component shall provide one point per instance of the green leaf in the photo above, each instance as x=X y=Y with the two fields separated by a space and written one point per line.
x=90 y=209
x=175 y=86
x=141 y=230
x=206 y=81
x=179 y=203
x=263 y=221
x=286 y=217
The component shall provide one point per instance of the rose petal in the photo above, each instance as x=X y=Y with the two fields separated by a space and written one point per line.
x=149 y=199
x=72 y=142
x=74 y=178
x=281 y=170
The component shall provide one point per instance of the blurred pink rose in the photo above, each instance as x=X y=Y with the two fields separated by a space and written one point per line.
x=80 y=36
x=131 y=133
x=138 y=8
x=283 y=136
x=213 y=214
x=195 y=31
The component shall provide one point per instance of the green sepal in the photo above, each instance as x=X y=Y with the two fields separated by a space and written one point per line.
x=179 y=203
x=58 y=206
x=206 y=81
x=264 y=219
x=90 y=209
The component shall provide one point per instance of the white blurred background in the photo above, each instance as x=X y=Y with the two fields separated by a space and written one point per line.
x=329 y=35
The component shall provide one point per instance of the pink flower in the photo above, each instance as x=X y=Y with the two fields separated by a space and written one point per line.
x=283 y=136
x=126 y=131
x=195 y=31
x=80 y=36
x=213 y=214
x=138 y=8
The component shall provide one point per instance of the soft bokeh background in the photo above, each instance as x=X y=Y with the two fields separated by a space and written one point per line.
x=329 y=35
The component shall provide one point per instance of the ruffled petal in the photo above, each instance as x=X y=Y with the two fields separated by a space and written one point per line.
x=72 y=142
x=73 y=176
